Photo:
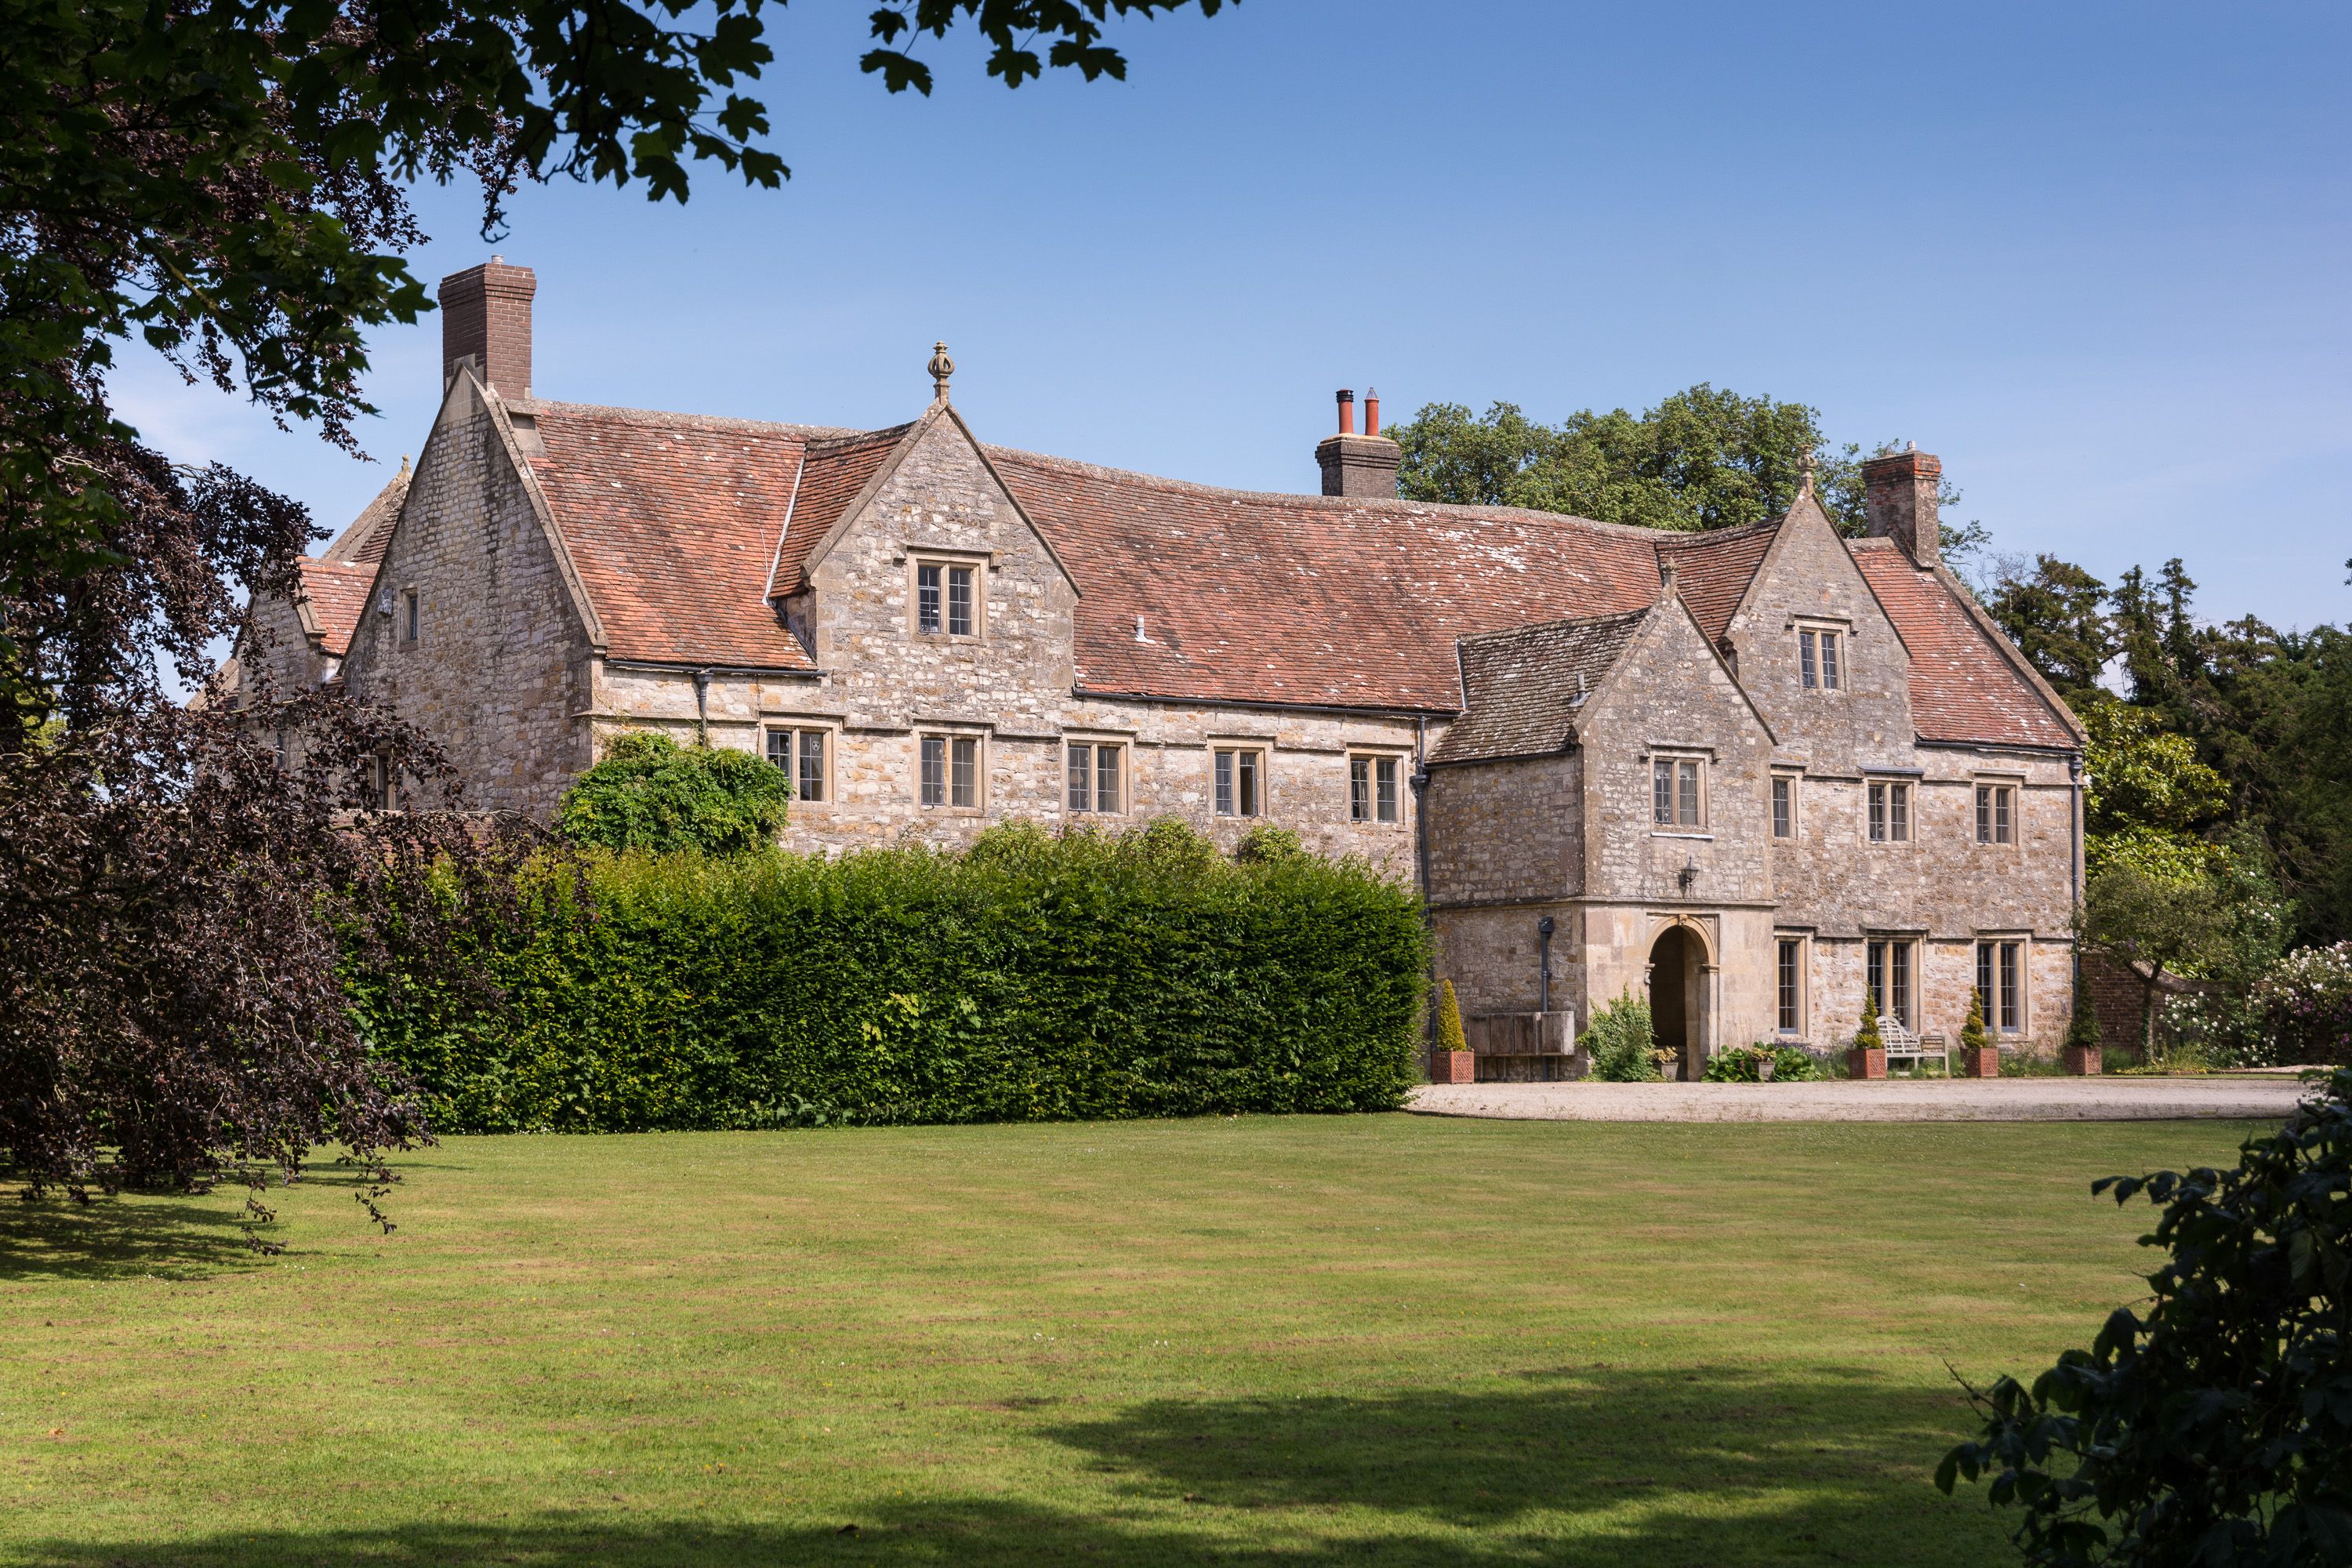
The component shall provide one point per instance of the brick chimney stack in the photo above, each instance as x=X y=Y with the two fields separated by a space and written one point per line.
x=1355 y=465
x=1898 y=497
x=486 y=318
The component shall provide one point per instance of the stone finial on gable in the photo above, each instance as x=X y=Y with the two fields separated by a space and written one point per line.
x=941 y=367
x=1805 y=466
x=1668 y=588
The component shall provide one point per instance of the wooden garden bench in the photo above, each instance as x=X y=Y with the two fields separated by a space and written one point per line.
x=1903 y=1045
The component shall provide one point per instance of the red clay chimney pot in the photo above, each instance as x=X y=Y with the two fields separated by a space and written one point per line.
x=1347 y=411
x=1372 y=411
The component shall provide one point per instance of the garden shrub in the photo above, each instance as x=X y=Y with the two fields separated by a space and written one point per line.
x=1033 y=977
x=1619 y=1042
x=1973 y=1036
x=2306 y=1000
x=651 y=793
x=2213 y=1426
x=1744 y=1064
x=1866 y=1037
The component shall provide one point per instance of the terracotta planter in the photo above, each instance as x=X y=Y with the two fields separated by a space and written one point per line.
x=1863 y=1062
x=1982 y=1062
x=2082 y=1061
x=1453 y=1066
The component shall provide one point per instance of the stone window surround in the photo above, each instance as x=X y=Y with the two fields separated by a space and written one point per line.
x=793 y=725
x=1795 y=777
x=1910 y=938
x=1802 y=939
x=917 y=557
x=1913 y=782
x=410 y=609
x=1374 y=752
x=2015 y=783
x=2025 y=941
x=1264 y=747
x=1704 y=757
x=1838 y=626
x=950 y=733
x=1099 y=739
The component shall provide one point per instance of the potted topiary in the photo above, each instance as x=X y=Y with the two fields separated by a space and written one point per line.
x=1868 y=1057
x=2081 y=1052
x=1452 y=1061
x=1980 y=1058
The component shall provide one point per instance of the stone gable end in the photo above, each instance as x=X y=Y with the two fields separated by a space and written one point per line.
x=499 y=673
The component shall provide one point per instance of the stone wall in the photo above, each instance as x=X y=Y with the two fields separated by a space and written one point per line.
x=499 y=668
x=1506 y=831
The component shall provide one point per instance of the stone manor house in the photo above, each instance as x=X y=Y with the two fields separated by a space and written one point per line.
x=1750 y=771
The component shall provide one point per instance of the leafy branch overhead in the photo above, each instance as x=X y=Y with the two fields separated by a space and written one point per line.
x=1013 y=29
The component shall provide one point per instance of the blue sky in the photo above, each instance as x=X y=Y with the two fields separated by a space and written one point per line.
x=2093 y=256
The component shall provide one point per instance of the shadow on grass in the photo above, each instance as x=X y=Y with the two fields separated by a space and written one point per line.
x=1611 y=1469
x=169 y=1237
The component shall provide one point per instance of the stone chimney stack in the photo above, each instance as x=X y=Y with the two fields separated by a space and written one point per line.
x=1356 y=465
x=1898 y=494
x=486 y=320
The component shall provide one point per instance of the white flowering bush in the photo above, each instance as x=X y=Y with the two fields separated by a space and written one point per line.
x=2305 y=1001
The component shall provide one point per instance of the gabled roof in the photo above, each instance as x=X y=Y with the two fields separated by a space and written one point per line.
x=334 y=596
x=1246 y=596
x=363 y=542
x=837 y=474
x=671 y=520
x=1964 y=686
x=1524 y=687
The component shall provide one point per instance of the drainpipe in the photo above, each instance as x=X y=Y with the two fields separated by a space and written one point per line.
x=702 y=707
x=1544 y=928
x=1421 y=859
x=2075 y=876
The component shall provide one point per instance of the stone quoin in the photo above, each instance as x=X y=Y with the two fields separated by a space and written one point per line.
x=1747 y=774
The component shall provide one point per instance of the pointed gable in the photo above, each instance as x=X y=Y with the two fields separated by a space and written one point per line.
x=834 y=473
x=1964 y=687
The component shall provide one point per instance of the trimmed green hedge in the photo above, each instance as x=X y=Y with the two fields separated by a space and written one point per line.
x=1031 y=978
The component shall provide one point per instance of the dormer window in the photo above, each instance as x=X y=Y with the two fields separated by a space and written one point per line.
x=1819 y=666
x=946 y=599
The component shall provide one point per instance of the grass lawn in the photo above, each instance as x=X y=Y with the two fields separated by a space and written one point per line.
x=1372 y=1340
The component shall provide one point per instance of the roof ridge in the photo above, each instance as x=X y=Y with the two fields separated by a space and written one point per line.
x=1688 y=539
x=1341 y=503
x=1563 y=623
x=705 y=421
x=825 y=446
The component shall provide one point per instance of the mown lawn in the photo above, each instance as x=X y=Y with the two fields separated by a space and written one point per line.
x=1379 y=1339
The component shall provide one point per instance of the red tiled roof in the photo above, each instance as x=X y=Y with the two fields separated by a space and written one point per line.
x=338 y=591
x=836 y=471
x=1712 y=571
x=1963 y=687
x=1522 y=687
x=671 y=521
x=1308 y=599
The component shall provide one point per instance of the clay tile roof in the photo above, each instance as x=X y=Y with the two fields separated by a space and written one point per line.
x=1247 y=596
x=672 y=520
x=337 y=592
x=1712 y=571
x=1963 y=687
x=364 y=540
x=1524 y=686
x=835 y=472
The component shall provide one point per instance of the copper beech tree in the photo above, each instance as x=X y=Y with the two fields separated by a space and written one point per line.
x=224 y=183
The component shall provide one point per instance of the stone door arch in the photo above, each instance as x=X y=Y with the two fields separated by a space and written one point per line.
x=1679 y=968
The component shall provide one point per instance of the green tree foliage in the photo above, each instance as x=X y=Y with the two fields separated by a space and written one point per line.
x=1036 y=977
x=2267 y=713
x=1702 y=459
x=2083 y=1023
x=651 y=793
x=1450 y=1036
x=1620 y=1040
x=2214 y=1427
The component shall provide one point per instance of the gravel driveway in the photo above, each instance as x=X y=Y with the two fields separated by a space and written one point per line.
x=2262 y=1098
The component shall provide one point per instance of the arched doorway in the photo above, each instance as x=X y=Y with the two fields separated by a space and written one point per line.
x=1678 y=997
